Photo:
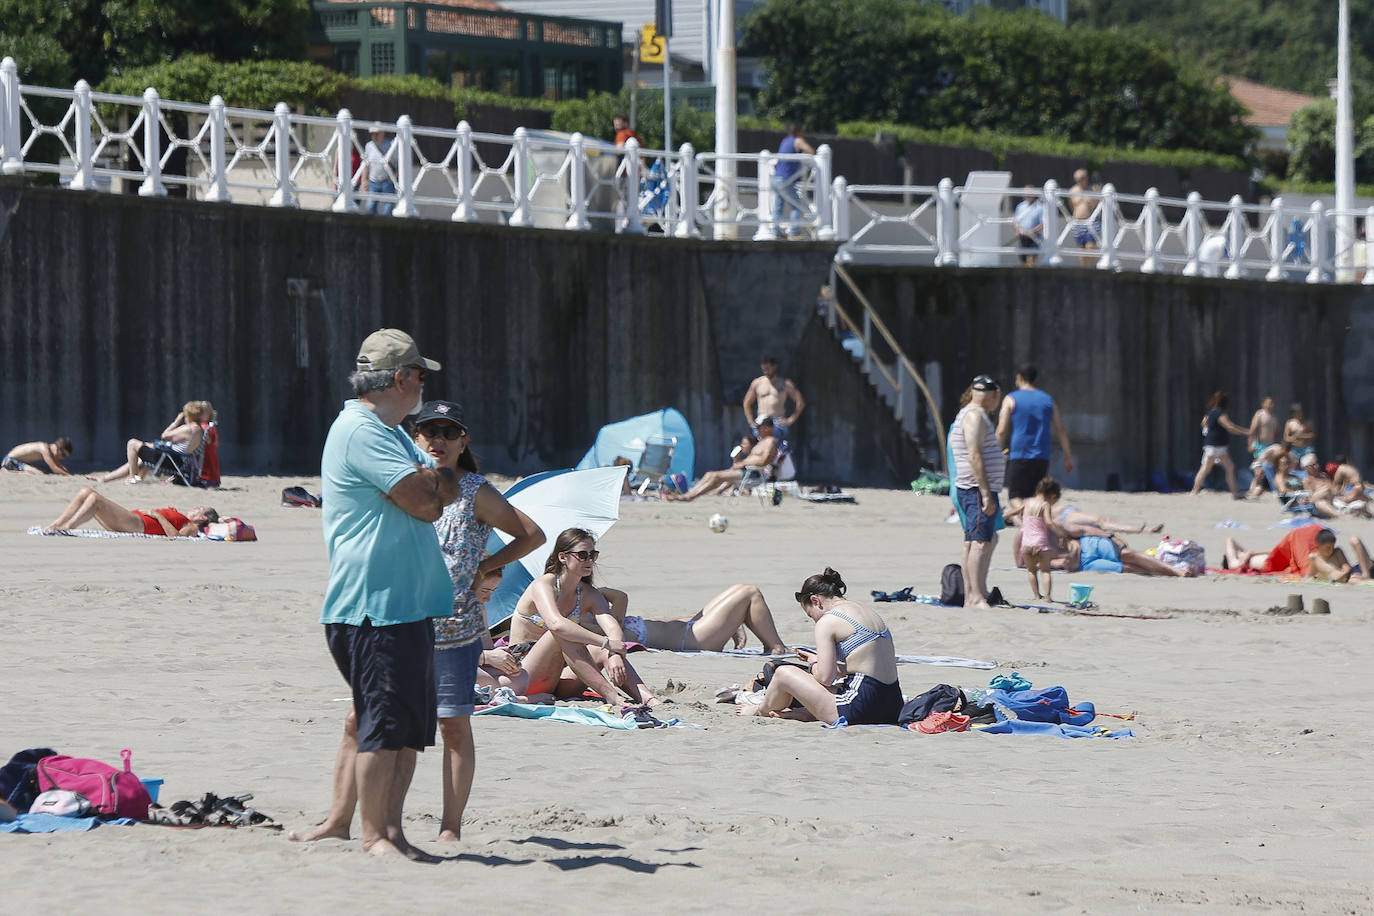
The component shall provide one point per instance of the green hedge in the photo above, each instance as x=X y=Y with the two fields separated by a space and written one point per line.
x=1000 y=145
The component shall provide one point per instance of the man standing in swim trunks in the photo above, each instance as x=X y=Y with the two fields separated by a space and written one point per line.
x=1264 y=428
x=1024 y=425
x=768 y=396
x=1298 y=433
x=386 y=580
x=1082 y=207
x=979 y=467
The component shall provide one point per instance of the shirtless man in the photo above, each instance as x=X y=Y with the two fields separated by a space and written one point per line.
x=760 y=456
x=1272 y=465
x=1348 y=481
x=1093 y=549
x=767 y=397
x=31 y=456
x=1264 y=428
x=1328 y=561
x=1298 y=432
x=1322 y=492
x=1081 y=207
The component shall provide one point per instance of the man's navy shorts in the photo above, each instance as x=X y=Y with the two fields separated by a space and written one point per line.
x=391 y=671
x=1024 y=475
x=977 y=526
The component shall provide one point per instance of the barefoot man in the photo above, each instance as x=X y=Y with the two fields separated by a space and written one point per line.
x=386 y=580
x=1264 y=428
x=979 y=468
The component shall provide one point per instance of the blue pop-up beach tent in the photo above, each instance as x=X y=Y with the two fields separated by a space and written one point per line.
x=627 y=438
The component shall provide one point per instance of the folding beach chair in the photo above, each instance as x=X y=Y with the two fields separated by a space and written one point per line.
x=654 y=463
x=179 y=467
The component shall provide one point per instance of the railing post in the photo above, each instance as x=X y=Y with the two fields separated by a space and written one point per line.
x=1049 y=249
x=1108 y=260
x=152 y=145
x=1368 y=247
x=84 y=179
x=464 y=212
x=1317 y=235
x=520 y=216
x=1236 y=241
x=343 y=165
x=405 y=172
x=839 y=199
x=767 y=163
x=10 y=161
x=281 y=126
x=825 y=229
x=1192 y=234
x=688 y=183
x=218 y=192
x=946 y=235
x=577 y=169
x=1277 y=241
x=1151 y=263
x=633 y=224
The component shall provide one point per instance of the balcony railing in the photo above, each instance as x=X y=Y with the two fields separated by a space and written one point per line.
x=95 y=141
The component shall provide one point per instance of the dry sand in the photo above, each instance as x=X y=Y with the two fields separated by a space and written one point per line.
x=1246 y=788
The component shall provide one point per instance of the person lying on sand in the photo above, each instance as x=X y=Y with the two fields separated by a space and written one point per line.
x=853 y=670
x=1309 y=551
x=39 y=457
x=564 y=656
x=728 y=617
x=1092 y=549
x=87 y=504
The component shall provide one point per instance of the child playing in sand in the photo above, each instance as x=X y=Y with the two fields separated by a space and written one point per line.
x=1328 y=561
x=1037 y=520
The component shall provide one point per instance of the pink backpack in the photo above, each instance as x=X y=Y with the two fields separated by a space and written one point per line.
x=112 y=793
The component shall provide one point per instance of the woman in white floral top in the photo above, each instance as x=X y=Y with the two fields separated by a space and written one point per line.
x=463 y=530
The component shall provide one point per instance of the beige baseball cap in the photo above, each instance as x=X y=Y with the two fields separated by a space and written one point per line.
x=389 y=348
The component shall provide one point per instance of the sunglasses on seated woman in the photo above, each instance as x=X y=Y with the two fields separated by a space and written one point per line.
x=436 y=431
x=583 y=555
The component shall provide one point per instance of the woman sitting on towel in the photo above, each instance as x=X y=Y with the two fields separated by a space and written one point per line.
x=87 y=504
x=563 y=655
x=853 y=670
x=726 y=618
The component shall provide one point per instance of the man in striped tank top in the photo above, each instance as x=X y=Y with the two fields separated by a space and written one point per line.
x=979 y=469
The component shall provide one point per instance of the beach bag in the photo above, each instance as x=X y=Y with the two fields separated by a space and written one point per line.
x=940 y=698
x=230 y=529
x=952 y=585
x=1048 y=705
x=1182 y=554
x=299 y=496
x=19 y=777
x=111 y=792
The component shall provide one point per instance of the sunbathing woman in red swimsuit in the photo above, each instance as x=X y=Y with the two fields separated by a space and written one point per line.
x=166 y=522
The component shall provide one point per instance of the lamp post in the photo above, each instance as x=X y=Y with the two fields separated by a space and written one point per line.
x=727 y=143
x=1345 y=154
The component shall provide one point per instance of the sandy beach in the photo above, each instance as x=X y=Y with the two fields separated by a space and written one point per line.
x=1246 y=787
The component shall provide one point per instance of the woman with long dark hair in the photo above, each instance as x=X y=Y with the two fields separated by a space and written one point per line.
x=564 y=657
x=853 y=672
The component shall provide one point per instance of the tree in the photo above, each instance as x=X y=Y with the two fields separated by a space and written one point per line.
x=1312 y=136
x=1286 y=43
x=911 y=62
x=101 y=37
x=592 y=117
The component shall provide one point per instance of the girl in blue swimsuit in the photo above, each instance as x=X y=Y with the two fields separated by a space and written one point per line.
x=853 y=670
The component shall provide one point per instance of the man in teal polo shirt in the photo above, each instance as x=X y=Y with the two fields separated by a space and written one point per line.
x=387 y=578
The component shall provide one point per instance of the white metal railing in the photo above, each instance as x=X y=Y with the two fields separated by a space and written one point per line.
x=1102 y=229
x=213 y=152
x=101 y=142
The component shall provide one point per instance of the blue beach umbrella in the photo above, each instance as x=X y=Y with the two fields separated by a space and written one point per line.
x=556 y=500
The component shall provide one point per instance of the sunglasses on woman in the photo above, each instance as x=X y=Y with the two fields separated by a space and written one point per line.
x=583 y=555
x=437 y=431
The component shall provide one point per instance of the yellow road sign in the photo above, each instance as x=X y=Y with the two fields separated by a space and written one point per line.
x=651 y=44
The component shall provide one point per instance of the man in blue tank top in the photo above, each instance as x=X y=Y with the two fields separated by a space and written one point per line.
x=1024 y=427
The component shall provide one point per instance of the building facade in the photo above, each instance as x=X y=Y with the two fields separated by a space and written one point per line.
x=507 y=51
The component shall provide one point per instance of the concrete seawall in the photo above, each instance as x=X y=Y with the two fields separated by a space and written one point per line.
x=114 y=310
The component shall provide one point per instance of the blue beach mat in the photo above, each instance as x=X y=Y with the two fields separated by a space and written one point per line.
x=55 y=823
x=574 y=714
